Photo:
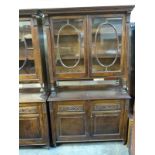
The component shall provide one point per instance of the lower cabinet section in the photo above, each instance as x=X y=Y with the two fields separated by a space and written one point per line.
x=33 y=124
x=97 y=120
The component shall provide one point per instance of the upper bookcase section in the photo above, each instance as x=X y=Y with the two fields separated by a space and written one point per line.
x=85 y=42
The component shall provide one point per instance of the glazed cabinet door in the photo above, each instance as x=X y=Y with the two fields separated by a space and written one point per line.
x=106 y=44
x=69 y=46
x=71 y=121
x=106 y=119
x=29 y=52
x=32 y=124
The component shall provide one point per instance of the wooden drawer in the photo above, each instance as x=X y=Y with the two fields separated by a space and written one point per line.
x=70 y=106
x=29 y=109
x=106 y=105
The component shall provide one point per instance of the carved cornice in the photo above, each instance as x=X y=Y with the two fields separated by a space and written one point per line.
x=79 y=10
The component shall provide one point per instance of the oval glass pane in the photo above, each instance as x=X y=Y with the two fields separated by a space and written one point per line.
x=69 y=46
x=106 y=45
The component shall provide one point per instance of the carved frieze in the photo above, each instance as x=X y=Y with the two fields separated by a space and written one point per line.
x=71 y=108
x=28 y=110
x=102 y=107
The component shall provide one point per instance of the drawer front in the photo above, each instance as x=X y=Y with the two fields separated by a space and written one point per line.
x=70 y=106
x=30 y=108
x=106 y=105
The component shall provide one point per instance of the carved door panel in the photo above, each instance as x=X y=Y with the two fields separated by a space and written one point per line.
x=106 y=119
x=71 y=121
x=32 y=124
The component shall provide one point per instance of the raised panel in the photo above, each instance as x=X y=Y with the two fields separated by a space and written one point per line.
x=71 y=120
x=72 y=125
x=106 y=124
x=29 y=128
x=107 y=119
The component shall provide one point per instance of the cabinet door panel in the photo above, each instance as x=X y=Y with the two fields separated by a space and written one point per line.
x=29 y=127
x=69 y=47
x=72 y=125
x=106 y=119
x=107 y=45
x=71 y=120
x=32 y=124
x=106 y=123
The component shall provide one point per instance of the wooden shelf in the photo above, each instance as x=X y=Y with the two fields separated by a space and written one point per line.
x=68 y=33
x=109 y=54
x=29 y=71
x=93 y=57
x=30 y=97
x=111 y=93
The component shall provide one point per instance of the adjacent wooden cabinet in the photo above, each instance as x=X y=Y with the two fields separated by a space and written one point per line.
x=33 y=121
x=29 y=51
x=33 y=127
